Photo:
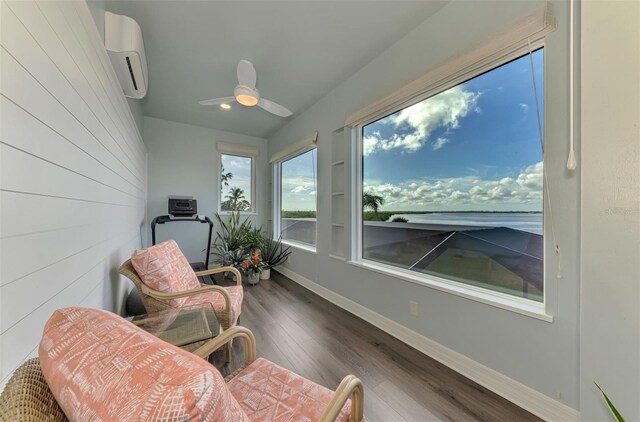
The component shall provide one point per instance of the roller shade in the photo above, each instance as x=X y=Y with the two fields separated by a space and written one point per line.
x=513 y=39
x=296 y=148
x=237 y=149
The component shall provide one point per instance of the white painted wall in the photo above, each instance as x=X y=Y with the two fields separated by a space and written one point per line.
x=183 y=160
x=610 y=288
x=73 y=173
x=541 y=355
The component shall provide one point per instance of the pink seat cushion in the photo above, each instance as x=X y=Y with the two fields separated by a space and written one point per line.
x=101 y=367
x=268 y=392
x=164 y=268
x=236 y=294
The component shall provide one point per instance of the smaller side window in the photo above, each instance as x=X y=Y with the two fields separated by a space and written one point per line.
x=298 y=198
x=236 y=183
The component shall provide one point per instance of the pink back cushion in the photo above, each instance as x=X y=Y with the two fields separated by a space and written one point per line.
x=164 y=268
x=101 y=367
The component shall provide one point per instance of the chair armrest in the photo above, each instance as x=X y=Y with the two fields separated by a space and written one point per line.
x=176 y=295
x=222 y=270
x=350 y=387
x=224 y=338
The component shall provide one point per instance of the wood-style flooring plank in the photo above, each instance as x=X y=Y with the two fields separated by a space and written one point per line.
x=299 y=330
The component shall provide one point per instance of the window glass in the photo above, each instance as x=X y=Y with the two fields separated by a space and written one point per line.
x=453 y=185
x=236 y=182
x=298 y=198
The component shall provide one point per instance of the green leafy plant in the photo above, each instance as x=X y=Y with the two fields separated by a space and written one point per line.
x=273 y=254
x=228 y=258
x=232 y=241
x=399 y=220
x=233 y=234
x=370 y=200
x=224 y=178
x=235 y=201
x=255 y=238
x=297 y=214
x=612 y=408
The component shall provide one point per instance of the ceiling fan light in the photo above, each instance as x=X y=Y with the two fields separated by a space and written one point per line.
x=225 y=106
x=247 y=100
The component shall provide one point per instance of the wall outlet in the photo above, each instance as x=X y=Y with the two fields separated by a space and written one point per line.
x=413 y=308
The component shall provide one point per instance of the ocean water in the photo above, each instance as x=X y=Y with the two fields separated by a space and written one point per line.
x=528 y=222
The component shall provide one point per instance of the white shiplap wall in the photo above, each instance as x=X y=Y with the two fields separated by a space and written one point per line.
x=73 y=173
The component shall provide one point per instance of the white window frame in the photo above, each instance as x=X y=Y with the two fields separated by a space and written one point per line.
x=277 y=195
x=522 y=306
x=294 y=150
x=252 y=210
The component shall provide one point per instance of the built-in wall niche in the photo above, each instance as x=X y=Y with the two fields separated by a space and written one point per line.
x=338 y=209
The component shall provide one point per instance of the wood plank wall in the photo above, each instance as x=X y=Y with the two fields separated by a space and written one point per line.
x=73 y=176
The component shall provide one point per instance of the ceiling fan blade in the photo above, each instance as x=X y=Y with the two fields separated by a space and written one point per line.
x=246 y=74
x=217 y=101
x=274 y=108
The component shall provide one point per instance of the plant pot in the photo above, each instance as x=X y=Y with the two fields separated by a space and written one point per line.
x=253 y=278
x=265 y=274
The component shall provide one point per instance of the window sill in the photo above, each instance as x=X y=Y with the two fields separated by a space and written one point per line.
x=247 y=213
x=478 y=295
x=300 y=246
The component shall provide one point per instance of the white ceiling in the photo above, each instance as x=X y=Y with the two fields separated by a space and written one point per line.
x=301 y=50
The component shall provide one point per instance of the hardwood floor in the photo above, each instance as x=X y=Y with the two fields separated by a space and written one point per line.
x=301 y=331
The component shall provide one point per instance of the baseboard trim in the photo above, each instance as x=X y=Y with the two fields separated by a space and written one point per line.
x=527 y=398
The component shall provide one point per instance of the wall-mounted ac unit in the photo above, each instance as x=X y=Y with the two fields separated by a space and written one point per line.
x=123 y=41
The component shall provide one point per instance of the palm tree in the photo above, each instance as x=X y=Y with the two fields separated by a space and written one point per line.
x=224 y=178
x=369 y=200
x=235 y=201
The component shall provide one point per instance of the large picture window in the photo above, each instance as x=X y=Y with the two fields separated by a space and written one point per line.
x=298 y=198
x=236 y=183
x=453 y=185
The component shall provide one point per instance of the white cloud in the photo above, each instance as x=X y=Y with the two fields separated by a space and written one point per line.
x=439 y=143
x=299 y=189
x=237 y=163
x=524 y=107
x=443 y=110
x=468 y=192
x=369 y=143
x=531 y=177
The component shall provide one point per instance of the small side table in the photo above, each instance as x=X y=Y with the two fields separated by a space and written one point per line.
x=187 y=328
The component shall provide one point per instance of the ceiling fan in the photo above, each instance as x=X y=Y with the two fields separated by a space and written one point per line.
x=247 y=94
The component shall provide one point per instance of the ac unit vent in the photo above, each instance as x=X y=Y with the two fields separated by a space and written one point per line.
x=133 y=77
x=123 y=41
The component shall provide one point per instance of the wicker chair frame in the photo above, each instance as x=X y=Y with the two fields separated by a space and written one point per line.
x=27 y=398
x=155 y=301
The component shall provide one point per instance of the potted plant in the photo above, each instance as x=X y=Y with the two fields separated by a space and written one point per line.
x=253 y=265
x=273 y=255
x=233 y=234
x=254 y=238
x=232 y=240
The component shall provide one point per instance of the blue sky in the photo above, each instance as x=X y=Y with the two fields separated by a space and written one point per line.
x=475 y=146
x=299 y=182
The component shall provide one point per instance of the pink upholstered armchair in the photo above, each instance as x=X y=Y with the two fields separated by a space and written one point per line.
x=165 y=280
x=94 y=365
x=268 y=392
